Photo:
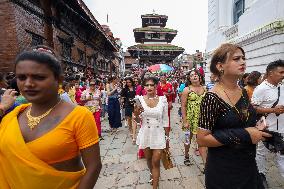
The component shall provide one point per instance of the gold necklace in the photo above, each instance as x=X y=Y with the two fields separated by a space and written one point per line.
x=152 y=98
x=34 y=121
x=244 y=111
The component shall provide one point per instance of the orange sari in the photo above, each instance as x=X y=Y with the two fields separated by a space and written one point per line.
x=21 y=169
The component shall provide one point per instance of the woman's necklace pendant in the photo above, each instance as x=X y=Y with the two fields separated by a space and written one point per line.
x=33 y=122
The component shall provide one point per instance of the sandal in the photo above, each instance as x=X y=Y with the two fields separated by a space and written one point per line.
x=196 y=152
x=151 y=179
x=186 y=161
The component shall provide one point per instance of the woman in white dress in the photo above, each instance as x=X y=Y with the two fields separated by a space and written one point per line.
x=153 y=136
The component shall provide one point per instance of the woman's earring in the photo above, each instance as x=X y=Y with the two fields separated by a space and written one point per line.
x=222 y=72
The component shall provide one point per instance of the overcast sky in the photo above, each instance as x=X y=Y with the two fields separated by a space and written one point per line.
x=189 y=17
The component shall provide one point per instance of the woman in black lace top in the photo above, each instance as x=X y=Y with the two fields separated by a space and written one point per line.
x=128 y=94
x=227 y=125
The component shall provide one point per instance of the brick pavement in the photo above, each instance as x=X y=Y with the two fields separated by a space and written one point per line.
x=122 y=169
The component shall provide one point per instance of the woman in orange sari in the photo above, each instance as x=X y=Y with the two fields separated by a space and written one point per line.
x=49 y=143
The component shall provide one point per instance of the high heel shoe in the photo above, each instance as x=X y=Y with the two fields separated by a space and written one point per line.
x=133 y=141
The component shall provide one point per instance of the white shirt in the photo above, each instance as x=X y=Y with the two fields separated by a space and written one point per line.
x=265 y=95
x=64 y=96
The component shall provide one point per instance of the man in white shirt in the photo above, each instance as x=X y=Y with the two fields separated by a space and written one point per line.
x=263 y=98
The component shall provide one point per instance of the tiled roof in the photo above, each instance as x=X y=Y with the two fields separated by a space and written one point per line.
x=97 y=24
x=153 y=15
x=153 y=29
x=156 y=47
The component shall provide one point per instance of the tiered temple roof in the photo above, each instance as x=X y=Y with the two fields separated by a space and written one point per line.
x=155 y=47
x=154 y=41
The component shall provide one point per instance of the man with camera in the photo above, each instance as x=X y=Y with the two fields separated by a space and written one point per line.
x=268 y=99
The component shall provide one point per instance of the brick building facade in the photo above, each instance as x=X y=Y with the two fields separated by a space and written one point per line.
x=65 y=25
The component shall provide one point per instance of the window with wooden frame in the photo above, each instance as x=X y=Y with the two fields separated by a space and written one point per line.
x=35 y=39
x=81 y=55
x=66 y=50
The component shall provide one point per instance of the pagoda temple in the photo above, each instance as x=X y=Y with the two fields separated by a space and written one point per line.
x=154 y=41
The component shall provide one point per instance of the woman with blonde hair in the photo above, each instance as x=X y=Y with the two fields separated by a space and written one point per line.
x=228 y=125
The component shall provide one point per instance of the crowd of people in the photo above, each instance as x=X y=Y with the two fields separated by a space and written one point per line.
x=51 y=125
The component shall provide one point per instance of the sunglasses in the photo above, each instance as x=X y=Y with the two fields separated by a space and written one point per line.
x=149 y=85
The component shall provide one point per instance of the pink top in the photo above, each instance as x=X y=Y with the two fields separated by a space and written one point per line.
x=140 y=91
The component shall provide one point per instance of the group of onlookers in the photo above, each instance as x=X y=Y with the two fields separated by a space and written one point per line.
x=233 y=123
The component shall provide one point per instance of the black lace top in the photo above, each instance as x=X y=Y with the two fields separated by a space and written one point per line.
x=128 y=96
x=231 y=165
x=215 y=113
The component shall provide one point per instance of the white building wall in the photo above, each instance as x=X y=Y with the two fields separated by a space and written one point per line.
x=261 y=43
x=261 y=13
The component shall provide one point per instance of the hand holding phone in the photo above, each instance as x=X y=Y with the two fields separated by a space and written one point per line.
x=138 y=109
x=137 y=102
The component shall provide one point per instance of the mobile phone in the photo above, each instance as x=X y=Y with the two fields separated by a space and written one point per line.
x=137 y=102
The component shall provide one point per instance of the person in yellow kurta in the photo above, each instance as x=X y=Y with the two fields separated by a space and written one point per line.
x=49 y=143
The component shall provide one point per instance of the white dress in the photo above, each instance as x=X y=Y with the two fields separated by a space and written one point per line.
x=152 y=133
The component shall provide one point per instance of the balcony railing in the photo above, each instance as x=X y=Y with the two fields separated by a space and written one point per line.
x=231 y=32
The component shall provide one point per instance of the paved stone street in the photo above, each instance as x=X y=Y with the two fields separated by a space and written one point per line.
x=122 y=169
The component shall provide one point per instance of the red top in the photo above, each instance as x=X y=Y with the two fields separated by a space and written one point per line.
x=78 y=94
x=166 y=88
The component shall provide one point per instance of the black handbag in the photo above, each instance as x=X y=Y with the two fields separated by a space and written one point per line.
x=276 y=142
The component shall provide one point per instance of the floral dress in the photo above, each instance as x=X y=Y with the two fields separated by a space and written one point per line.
x=193 y=110
x=94 y=104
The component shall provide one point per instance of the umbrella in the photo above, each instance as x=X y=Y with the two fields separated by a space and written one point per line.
x=160 y=68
